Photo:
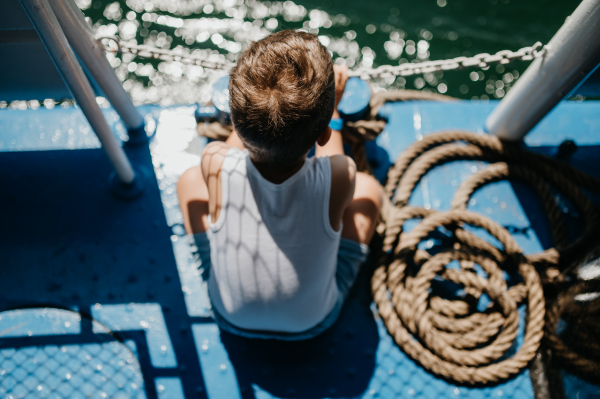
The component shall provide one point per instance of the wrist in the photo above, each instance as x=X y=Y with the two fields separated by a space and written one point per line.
x=336 y=124
x=336 y=114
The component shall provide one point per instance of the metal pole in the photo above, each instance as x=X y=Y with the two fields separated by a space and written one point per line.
x=62 y=55
x=571 y=55
x=91 y=53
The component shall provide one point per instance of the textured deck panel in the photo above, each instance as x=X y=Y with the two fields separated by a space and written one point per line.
x=72 y=371
x=67 y=243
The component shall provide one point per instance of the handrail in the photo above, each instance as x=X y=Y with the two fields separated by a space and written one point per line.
x=570 y=56
x=92 y=55
x=45 y=23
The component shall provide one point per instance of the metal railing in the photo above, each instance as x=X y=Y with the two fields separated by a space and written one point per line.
x=59 y=48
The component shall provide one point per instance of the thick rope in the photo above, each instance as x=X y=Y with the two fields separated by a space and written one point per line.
x=450 y=337
x=446 y=336
x=214 y=130
x=537 y=170
x=584 y=358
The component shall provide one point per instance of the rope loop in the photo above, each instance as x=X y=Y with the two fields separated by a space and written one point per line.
x=449 y=306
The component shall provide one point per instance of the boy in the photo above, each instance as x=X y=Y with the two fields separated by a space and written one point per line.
x=287 y=234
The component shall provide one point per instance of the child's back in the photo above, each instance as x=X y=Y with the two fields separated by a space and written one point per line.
x=273 y=249
x=278 y=267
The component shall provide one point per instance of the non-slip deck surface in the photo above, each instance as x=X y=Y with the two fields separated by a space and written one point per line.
x=66 y=242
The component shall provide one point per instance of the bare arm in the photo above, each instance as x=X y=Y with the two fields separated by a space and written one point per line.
x=335 y=144
x=211 y=162
x=343 y=180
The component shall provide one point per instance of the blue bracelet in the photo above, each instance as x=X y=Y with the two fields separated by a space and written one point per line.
x=336 y=124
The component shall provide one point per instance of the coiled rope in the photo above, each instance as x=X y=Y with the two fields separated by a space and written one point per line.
x=450 y=337
x=584 y=322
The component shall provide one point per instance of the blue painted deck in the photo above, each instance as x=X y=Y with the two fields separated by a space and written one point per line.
x=125 y=267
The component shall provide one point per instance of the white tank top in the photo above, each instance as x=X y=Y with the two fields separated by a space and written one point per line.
x=273 y=251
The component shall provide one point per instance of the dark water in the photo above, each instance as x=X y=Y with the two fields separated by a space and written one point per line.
x=357 y=32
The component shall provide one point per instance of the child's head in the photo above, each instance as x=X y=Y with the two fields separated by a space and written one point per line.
x=282 y=96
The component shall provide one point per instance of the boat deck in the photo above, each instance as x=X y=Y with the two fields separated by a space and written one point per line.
x=101 y=297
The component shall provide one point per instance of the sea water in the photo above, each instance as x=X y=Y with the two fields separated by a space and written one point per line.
x=357 y=32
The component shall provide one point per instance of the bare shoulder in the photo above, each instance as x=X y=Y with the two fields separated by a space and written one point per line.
x=343 y=174
x=212 y=157
x=343 y=179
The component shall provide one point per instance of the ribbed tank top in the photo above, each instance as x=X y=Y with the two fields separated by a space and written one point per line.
x=273 y=251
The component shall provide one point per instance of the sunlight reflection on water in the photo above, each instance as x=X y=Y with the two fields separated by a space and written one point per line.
x=221 y=29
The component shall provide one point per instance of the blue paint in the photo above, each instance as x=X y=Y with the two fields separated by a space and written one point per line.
x=194 y=288
x=37 y=322
x=169 y=388
x=128 y=191
x=355 y=100
x=137 y=136
x=399 y=376
x=139 y=316
x=396 y=375
x=217 y=370
x=590 y=86
x=409 y=121
x=114 y=252
x=59 y=128
x=578 y=388
x=510 y=204
x=378 y=159
x=107 y=370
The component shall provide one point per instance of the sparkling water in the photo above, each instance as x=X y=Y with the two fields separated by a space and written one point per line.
x=358 y=33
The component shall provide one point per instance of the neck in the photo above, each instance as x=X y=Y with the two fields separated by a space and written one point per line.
x=277 y=174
